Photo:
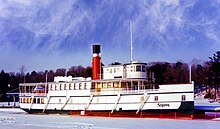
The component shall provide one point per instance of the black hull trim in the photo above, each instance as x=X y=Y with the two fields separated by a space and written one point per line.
x=189 y=105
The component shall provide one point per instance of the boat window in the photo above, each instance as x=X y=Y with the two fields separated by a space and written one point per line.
x=104 y=85
x=132 y=68
x=109 y=85
x=141 y=87
x=135 y=88
x=51 y=87
x=143 y=68
x=93 y=85
x=42 y=100
x=80 y=85
x=74 y=86
x=59 y=100
x=114 y=70
x=55 y=87
x=138 y=68
x=101 y=85
x=110 y=70
x=64 y=86
x=85 y=85
x=123 y=84
x=156 y=87
x=116 y=84
x=155 y=98
x=38 y=100
x=98 y=85
x=183 y=97
x=28 y=89
x=60 y=87
x=70 y=86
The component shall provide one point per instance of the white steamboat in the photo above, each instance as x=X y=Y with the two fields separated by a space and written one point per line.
x=122 y=90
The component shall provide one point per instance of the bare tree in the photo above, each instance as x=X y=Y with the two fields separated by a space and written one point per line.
x=60 y=72
x=22 y=70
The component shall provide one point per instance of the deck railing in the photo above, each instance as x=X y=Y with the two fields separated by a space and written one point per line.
x=32 y=94
x=108 y=91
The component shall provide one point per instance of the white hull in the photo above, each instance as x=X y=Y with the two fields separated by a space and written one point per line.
x=168 y=97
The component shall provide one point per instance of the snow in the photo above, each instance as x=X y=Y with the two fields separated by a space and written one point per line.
x=14 y=118
x=10 y=104
x=205 y=102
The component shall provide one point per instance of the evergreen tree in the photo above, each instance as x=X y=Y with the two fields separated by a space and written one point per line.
x=214 y=74
x=4 y=83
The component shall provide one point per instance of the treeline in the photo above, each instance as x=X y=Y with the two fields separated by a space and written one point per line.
x=10 y=81
x=204 y=74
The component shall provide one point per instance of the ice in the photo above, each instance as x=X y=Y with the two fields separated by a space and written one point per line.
x=205 y=102
x=14 y=118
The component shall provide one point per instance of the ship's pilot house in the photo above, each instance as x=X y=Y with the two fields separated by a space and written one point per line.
x=132 y=70
x=130 y=76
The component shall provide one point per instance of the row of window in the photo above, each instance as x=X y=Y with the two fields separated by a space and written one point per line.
x=133 y=68
x=29 y=100
x=35 y=100
x=68 y=86
x=138 y=68
x=113 y=70
x=126 y=85
x=183 y=98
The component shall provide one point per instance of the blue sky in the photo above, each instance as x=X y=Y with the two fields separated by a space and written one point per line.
x=51 y=34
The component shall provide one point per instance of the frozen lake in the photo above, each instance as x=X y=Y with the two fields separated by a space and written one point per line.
x=17 y=119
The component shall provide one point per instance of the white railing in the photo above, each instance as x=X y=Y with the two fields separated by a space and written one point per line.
x=110 y=91
x=32 y=94
x=101 y=91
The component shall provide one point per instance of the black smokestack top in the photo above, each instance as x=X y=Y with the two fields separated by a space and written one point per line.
x=96 y=48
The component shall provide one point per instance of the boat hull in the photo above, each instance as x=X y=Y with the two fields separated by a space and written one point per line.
x=185 y=111
x=173 y=114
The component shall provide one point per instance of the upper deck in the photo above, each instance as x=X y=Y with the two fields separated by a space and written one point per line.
x=84 y=84
x=106 y=86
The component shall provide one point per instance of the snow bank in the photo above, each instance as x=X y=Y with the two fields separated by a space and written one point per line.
x=17 y=119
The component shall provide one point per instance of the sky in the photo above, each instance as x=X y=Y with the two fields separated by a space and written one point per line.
x=50 y=34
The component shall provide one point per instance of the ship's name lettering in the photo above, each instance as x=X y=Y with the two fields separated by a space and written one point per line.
x=163 y=105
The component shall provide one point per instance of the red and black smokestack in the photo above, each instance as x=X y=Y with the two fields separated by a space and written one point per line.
x=96 y=62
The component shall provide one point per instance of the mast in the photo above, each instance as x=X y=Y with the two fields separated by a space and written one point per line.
x=190 y=74
x=131 y=40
